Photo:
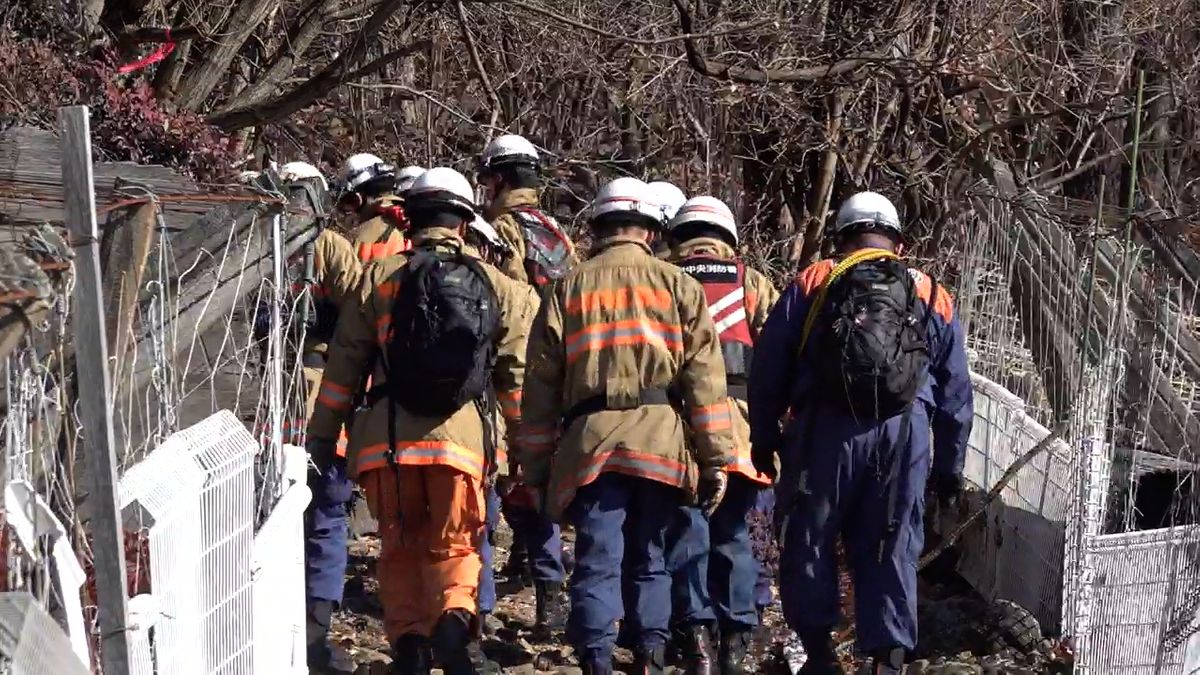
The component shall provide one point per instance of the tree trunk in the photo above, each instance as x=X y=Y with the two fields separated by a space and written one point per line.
x=214 y=65
x=283 y=62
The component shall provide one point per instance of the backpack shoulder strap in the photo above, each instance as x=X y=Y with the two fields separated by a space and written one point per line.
x=864 y=255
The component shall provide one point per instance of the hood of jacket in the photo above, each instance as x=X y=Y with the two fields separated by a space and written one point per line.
x=510 y=200
x=706 y=246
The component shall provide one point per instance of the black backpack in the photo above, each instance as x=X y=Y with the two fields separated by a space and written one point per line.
x=871 y=336
x=444 y=324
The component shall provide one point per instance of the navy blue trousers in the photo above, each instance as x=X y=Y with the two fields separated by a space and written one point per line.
x=621 y=527
x=542 y=539
x=839 y=478
x=714 y=572
x=764 y=505
x=325 y=534
x=487 y=551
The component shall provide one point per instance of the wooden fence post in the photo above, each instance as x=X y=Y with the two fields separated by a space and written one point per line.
x=94 y=389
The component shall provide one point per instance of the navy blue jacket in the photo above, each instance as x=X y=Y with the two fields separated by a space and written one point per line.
x=781 y=380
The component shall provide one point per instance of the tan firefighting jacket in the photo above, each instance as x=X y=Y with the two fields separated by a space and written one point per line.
x=760 y=298
x=359 y=343
x=336 y=275
x=378 y=236
x=619 y=325
x=500 y=215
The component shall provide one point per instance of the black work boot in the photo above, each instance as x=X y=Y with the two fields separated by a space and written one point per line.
x=652 y=661
x=734 y=646
x=411 y=655
x=697 y=651
x=551 y=613
x=324 y=657
x=516 y=568
x=888 y=661
x=822 y=655
x=451 y=639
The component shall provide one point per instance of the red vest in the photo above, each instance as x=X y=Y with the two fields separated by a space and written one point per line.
x=725 y=292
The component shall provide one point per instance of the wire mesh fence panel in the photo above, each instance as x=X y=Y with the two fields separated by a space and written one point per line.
x=195 y=495
x=1017 y=551
x=1078 y=328
x=31 y=641
x=1142 y=581
x=279 y=610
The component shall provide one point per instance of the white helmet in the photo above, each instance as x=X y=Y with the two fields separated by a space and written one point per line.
x=669 y=197
x=362 y=168
x=406 y=176
x=708 y=210
x=508 y=149
x=445 y=187
x=489 y=233
x=293 y=171
x=867 y=208
x=628 y=196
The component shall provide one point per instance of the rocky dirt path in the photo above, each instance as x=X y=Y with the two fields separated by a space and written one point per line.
x=961 y=634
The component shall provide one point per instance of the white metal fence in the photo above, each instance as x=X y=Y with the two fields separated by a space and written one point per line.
x=32 y=642
x=1017 y=552
x=194 y=497
x=1143 y=582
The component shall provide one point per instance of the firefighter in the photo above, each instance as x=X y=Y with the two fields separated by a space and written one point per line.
x=510 y=175
x=681 y=550
x=868 y=357
x=334 y=283
x=622 y=355
x=537 y=252
x=369 y=191
x=716 y=582
x=423 y=447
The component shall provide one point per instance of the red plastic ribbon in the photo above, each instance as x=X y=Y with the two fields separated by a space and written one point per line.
x=164 y=50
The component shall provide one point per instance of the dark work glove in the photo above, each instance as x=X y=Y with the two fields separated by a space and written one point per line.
x=947 y=487
x=763 y=460
x=711 y=490
x=321 y=452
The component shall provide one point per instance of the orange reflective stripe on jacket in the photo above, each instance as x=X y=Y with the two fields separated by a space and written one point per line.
x=616 y=299
x=423 y=453
x=623 y=333
x=742 y=465
x=382 y=249
x=510 y=404
x=334 y=395
x=712 y=417
x=536 y=439
x=628 y=462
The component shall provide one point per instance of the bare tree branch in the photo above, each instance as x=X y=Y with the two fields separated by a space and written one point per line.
x=741 y=28
x=284 y=61
x=724 y=71
x=332 y=75
x=477 y=63
x=212 y=68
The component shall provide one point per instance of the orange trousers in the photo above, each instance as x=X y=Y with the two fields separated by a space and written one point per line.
x=431 y=522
